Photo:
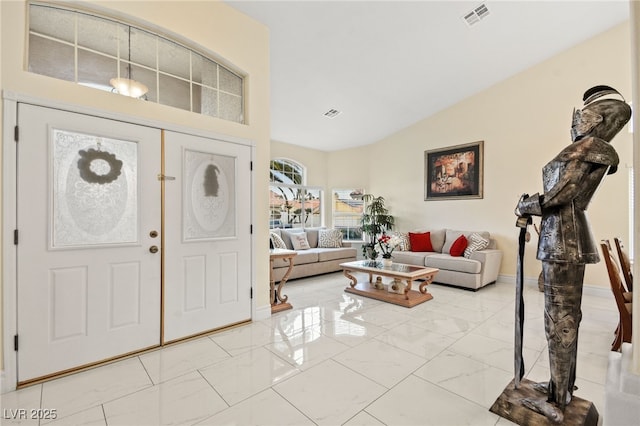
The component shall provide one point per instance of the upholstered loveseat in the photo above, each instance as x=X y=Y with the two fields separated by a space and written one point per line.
x=323 y=252
x=472 y=261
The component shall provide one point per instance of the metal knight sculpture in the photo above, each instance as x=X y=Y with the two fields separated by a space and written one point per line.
x=566 y=244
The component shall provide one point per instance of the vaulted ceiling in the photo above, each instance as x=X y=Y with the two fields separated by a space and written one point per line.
x=384 y=65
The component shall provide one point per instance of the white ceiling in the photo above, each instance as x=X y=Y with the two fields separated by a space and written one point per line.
x=388 y=64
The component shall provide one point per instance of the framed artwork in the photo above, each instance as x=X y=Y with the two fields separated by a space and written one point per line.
x=455 y=172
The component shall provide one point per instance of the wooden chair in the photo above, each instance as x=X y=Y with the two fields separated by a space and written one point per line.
x=623 y=332
x=620 y=265
x=625 y=264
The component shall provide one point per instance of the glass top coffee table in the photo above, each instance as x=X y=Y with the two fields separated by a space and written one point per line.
x=398 y=291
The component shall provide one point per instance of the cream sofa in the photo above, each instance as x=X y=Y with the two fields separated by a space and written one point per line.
x=312 y=261
x=473 y=272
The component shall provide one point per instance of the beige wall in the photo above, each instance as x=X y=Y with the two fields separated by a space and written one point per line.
x=524 y=122
x=232 y=36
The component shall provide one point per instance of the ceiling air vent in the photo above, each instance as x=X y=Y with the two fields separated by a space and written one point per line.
x=332 y=113
x=476 y=15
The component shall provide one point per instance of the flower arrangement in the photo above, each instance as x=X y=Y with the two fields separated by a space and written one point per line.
x=388 y=244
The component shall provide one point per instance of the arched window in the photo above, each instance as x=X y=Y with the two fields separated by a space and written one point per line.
x=292 y=204
x=114 y=56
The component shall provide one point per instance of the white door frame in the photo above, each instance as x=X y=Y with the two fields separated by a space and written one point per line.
x=9 y=376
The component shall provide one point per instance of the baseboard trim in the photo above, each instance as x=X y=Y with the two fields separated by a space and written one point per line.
x=262 y=312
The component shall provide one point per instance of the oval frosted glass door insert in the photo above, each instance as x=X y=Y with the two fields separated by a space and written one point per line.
x=94 y=194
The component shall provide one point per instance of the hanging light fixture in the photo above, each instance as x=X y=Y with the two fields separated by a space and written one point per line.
x=128 y=86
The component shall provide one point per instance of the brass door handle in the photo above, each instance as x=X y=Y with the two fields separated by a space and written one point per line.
x=153 y=249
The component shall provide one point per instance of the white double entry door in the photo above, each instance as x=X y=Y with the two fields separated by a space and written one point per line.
x=128 y=237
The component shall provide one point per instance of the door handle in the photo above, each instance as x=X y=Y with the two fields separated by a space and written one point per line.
x=153 y=249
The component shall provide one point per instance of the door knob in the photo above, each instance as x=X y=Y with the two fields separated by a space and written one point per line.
x=153 y=249
x=153 y=234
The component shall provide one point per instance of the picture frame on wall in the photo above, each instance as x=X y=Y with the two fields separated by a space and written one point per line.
x=454 y=172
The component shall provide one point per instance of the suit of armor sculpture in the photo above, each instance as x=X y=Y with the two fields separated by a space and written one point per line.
x=566 y=244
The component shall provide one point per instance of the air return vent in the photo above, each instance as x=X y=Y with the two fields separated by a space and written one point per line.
x=476 y=15
x=332 y=113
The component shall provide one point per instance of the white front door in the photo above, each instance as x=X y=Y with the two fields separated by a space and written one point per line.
x=88 y=203
x=207 y=257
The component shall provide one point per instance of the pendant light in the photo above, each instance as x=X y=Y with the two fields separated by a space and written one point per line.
x=128 y=86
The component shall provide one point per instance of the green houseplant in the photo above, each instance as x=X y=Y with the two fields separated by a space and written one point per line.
x=375 y=221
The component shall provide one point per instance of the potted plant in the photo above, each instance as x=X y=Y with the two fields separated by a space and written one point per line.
x=375 y=221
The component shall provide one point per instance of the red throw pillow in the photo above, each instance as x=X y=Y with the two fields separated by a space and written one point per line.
x=421 y=242
x=458 y=246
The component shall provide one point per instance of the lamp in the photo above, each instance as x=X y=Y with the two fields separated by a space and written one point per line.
x=128 y=86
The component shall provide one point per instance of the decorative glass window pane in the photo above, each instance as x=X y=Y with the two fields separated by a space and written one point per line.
x=95 y=70
x=230 y=107
x=94 y=190
x=98 y=34
x=144 y=76
x=51 y=58
x=229 y=82
x=204 y=71
x=143 y=46
x=175 y=92
x=56 y=23
x=205 y=100
x=173 y=59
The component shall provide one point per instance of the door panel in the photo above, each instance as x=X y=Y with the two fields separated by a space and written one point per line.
x=207 y=239
x=89 y=288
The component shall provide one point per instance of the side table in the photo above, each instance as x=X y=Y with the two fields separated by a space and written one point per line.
x=278 y=300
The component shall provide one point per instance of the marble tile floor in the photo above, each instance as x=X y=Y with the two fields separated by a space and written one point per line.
x=334 y=359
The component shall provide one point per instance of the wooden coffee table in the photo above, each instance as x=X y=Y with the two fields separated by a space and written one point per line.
x=398 y=291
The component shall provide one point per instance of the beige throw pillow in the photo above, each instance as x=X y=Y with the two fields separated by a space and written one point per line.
x=299 y=241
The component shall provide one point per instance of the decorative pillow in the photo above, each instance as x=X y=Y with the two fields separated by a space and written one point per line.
x=420 y=242
x=277 y=241
x=405 y=243
x=299 y=241
x=476 y=242
x=458 y=246
x=329 y=238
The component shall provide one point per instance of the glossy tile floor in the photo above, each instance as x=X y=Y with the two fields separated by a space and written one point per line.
x=335 y=359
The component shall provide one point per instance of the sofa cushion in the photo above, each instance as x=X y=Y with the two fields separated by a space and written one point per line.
x=450 y=263
x=303 y=257
x=458 y=246
x=411 y=257
x=277 y=241
x=476 y=242
x=312 y=236
x=420 y=242
x=326 y=254
x=437 y=238
x=450 y=237
x=299 y=241
x=329 y=238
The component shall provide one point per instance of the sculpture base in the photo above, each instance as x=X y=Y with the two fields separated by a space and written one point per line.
x=509 y=405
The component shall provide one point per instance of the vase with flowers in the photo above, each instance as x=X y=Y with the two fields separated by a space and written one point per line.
x=387 y=244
